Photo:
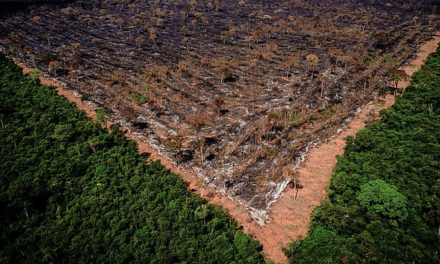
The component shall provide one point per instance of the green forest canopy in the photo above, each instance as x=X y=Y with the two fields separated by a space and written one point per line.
x=73 y=193
x=383 y=204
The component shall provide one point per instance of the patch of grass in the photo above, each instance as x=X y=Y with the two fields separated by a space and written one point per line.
x=293 y=117
x=389 y=60
x=139 y=98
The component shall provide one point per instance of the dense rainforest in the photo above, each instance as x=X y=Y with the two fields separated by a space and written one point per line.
x=383 y=204
x=70 y=192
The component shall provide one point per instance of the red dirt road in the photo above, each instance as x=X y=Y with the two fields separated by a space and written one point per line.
x=290 y=217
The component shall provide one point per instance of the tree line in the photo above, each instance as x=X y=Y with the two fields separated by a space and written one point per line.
x=71 y=192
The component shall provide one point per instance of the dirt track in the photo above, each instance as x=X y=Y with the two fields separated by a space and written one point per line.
x=290 y=218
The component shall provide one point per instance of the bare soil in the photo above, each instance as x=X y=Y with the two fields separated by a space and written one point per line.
x=290 y=215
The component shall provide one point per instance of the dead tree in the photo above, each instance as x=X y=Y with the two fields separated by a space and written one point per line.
x=312 y=62
x=218 y=104
x=294 y=180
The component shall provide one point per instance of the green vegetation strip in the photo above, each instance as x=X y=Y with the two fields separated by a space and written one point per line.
x=383 y=204
x=73 y=193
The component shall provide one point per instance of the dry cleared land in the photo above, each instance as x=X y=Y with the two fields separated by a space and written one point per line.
x=235 y=92
x=231 y=94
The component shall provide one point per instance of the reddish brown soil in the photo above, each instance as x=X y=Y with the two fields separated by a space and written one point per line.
x=290 y=217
